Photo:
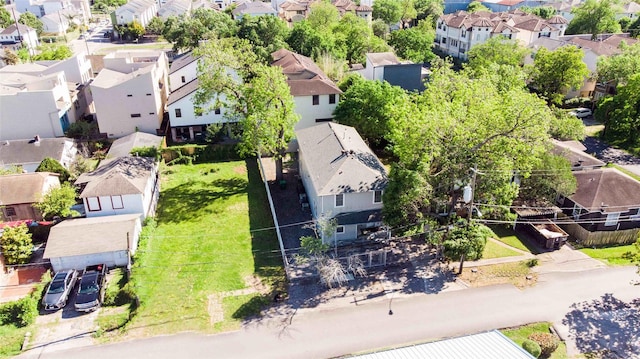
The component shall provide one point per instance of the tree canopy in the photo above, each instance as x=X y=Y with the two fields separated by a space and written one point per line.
x=266 y=33
x=16 y=244
x=620 y=67
x=55 y=52
x=389 y=11
x=476 y=6
x=594 y=17
x=414 y=43
x=32 y=21
x=621 y=114
x=5 y=18
x=51 y=165
x=57 y=202
x=185 y=33
x=556 y=72
x=497 y=50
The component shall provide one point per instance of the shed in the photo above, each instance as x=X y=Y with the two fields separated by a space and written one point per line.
x=77 y=243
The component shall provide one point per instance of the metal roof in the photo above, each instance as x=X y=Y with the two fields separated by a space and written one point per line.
x=489 y=345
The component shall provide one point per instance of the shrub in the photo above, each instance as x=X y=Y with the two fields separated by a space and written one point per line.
x=20 y=313
x=532 y=262
x=50 y=165
x=547 y=341
x=532 y=347
x=16 y=244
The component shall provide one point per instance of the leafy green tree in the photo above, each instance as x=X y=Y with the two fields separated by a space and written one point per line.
x=185 y=33
x=50 y=165
x=476 y=6
x=256 y=95
x=414 y=43
x=428 y=9
x=323 y=16
x=621 y=114
x=354 y=38
x=16 y=244
x=57 y=202
x=620 y=67
x=550 y=175
x=155 y=26
x=369 y=106
x=465 y=241
x=408 y=11
x=135 y=30
x=594 y=17
x=624 y=22
x=545 y=12
x=634 y=27
x=305 y=40
x=5 y=18
x=32 y=21
x=217 y=23
x=54 y=52
x=380 y=28
x=266 y=33
x=497 y=50
x=389 y=11
x=565 y=126
x=556 y=72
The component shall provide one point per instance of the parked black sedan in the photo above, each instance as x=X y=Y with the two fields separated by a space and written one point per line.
x=59 y=289
x=92 y=288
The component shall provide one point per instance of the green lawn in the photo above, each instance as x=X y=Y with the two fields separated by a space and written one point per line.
x=494 y=250
x=518 y=335
x=610 y=255
x=12 y=338
x=207 y=241
x=513 y=238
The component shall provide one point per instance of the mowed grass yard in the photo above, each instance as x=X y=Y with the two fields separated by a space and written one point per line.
x=210 y=239
x=611 y=255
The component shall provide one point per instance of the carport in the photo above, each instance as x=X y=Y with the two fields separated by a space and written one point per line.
x=77 y=243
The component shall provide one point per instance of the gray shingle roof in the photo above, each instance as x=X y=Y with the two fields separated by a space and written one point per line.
x=188 y=88
x=23 y=187
x=606 y=189
x=82 y=236
x=18 y=152
x=122 y=147
x=338 y=160
x=118 y=176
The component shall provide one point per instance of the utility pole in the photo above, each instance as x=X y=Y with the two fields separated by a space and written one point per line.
x=468 y=195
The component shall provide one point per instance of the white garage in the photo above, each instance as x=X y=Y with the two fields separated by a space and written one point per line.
x=77 y=243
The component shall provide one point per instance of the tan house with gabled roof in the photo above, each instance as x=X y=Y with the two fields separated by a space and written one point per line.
x=314 y=94
x=18 y=193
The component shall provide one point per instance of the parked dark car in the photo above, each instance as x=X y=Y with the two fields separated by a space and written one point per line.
x=92 y=288
x=59 y=289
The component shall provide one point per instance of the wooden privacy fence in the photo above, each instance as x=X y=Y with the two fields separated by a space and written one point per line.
x=601 y=238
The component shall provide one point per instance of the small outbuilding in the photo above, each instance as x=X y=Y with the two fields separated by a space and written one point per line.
x=81 y=242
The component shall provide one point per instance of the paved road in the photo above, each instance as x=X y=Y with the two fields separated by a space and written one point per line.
x=606 y=153
x=592 y=303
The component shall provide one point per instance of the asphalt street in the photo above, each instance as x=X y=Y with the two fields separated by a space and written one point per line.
x=597 y=304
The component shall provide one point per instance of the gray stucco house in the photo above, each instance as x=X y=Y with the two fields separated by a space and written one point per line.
x=343 y=179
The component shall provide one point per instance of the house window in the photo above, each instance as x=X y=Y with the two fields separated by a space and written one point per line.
x=454 y=43
x=340 y=200
x=332 y=98
x=217 y=111
x=339 y=229
x=463 y=33
x=116 y=202
x=444 y=40
x=377 y=196
x=93 y=204
x=319 y=120
x=9 y=211
x=183 y=79
x=612 y=219
x=178 y=112
x=129 y=95
x=316 y=100
x=135 y=115
x=152 y=113
x=148 y=94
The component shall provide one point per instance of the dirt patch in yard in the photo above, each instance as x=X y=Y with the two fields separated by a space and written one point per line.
x=518 y=274
x=214 y=306
x=240 y=170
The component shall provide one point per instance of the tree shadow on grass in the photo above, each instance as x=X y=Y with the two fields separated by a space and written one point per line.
x=606 y=327
x=191 y=199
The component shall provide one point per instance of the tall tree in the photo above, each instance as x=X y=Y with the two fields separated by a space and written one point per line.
x=266 y=33
x=465 y=241
x=16 y=244
x=32 y=21
x=305 y=40
x=620 y=67
x=476 y=6
x=550 y=175
x=217 y=23
x=497 y=50
x=594 y=17
x=634 y=27
x=556 y=72
x=5 y=18
x=408 y=11
x=544 y=12
x=55 y=52
x=155 y=26
x=57 y=202
x=428 y=9
x=255 y=95
x=621 y=114
x=414 y=43
x=323 y=16
x=354 y=38
x=49 y=164
x=389 y=11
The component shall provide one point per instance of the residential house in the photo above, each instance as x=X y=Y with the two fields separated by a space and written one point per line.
x=385 y=66
x=574 y=152
x=344 y=6
x=81 y=242
x=605 y=207
x=342 y=177
x=141 y=11
x=54 y=24
x=175 y=8
x=564 y=8
x=121 y=185
x=34 y=104
x=221 y=4
x=365 y=12
x=451 y=6
x=293 y=11
x=183 y=70
x=78 y=74
x=122 y=146
x=16 y=37
x=630 y=10
x=18 y=193
x=457 y=33
x=77 y=10
x=130 y=92
x=253 y=8
x=315 y=96
x=27 y=154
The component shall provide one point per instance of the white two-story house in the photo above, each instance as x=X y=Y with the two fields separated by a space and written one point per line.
x=315 y=96
x=343 y=179
x=130 y=92
x=141 y=11
x=15 y=37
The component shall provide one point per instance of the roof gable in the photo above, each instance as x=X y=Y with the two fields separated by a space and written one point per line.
x=606 y=190
x=17 y=152
x=23 y=188
x=118 y=176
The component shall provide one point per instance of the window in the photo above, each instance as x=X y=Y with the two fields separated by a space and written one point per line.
x=135 y=115
x=217 y=111
x=148 y=94
x=332 y=98
x=93 y=204
x=463 y=33
x=340 y=200
x=316 y=100
x=152 y=113
x=377 y=196
x=116 y=202
x=9 y=211
x=444 y=40
x=612 y=219
x=129 y=95
x=454 y=43
x=178 y=112
x=318 y=120
x=339 y=229
x=183 y=79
